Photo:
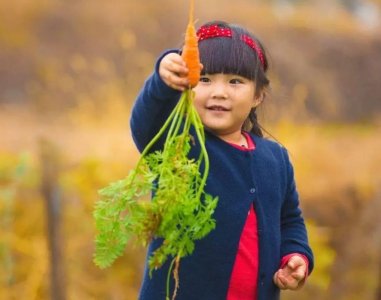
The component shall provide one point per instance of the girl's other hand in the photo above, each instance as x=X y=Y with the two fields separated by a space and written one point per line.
x=292 y=275
x=173 y=71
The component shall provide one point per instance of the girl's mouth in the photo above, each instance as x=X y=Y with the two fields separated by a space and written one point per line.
x=217 y=108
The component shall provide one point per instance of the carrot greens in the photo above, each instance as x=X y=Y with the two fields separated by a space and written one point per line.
x=180 y=212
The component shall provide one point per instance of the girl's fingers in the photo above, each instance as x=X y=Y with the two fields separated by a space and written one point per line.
x=173 y=71
x=173 y=62
x=298 y=275
x=177 y=69
x=298 y=268
x=177 y=58
x=174 y=81
x=296 y=262
x=178 y=87
x=277 y=280
x=288 y=283
x=285 y=282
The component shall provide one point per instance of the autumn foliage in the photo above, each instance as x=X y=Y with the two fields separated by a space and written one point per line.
x=69 y=74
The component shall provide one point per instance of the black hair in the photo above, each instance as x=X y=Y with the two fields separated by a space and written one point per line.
x=234 y=56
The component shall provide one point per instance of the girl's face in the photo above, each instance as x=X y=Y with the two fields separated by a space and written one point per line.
x=224 y=101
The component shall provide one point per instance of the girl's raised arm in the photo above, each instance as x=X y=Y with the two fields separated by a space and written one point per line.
x=152 y=107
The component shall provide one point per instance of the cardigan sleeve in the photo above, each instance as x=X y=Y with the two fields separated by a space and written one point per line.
x=293 y=230
x=152 y=107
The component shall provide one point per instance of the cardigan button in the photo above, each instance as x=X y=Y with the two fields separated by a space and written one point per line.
x=252 y=190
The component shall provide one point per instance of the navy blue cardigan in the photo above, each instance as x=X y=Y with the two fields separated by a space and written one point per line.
x=263 y=177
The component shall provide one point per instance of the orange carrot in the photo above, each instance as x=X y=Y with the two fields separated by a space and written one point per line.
x=190 y=50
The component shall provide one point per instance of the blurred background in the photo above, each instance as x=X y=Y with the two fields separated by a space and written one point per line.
x=69 y=73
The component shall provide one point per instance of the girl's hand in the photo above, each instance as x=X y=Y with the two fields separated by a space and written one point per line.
x=173 y=71
x=292 y=275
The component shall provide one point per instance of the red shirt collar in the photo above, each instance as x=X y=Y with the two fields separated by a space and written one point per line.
x=249 y=140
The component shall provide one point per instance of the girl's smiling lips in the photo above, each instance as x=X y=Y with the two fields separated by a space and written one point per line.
x=217 y=108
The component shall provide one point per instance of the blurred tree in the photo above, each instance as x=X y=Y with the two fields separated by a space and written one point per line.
x=51 y=191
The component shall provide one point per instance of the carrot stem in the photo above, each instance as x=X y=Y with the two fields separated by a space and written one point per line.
x=169 y=277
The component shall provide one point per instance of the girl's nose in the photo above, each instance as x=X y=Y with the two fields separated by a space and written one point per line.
x=219 y=91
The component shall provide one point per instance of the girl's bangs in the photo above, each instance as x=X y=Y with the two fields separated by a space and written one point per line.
x=228 y=56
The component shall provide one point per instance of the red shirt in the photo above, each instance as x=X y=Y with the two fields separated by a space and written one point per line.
x=243 y=281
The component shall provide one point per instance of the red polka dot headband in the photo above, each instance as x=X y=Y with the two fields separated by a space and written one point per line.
x=213 y=31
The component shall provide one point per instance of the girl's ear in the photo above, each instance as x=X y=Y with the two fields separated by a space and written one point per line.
x=258 y=99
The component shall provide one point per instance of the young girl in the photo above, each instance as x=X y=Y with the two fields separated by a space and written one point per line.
x=259 y=245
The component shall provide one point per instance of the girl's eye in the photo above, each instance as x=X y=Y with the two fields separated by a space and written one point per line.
x=204 y=79
x=236 y=81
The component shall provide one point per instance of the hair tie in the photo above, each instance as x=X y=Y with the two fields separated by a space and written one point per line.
x=213 y=31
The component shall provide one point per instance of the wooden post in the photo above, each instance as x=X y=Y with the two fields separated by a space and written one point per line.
x=52 y=196
x=378 y=291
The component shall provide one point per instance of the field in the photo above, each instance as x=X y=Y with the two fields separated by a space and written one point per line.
x=69 y=77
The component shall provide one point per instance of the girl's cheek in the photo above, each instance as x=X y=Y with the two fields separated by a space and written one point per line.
x=197 y=87
x=198 y=99
x=197 y=106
